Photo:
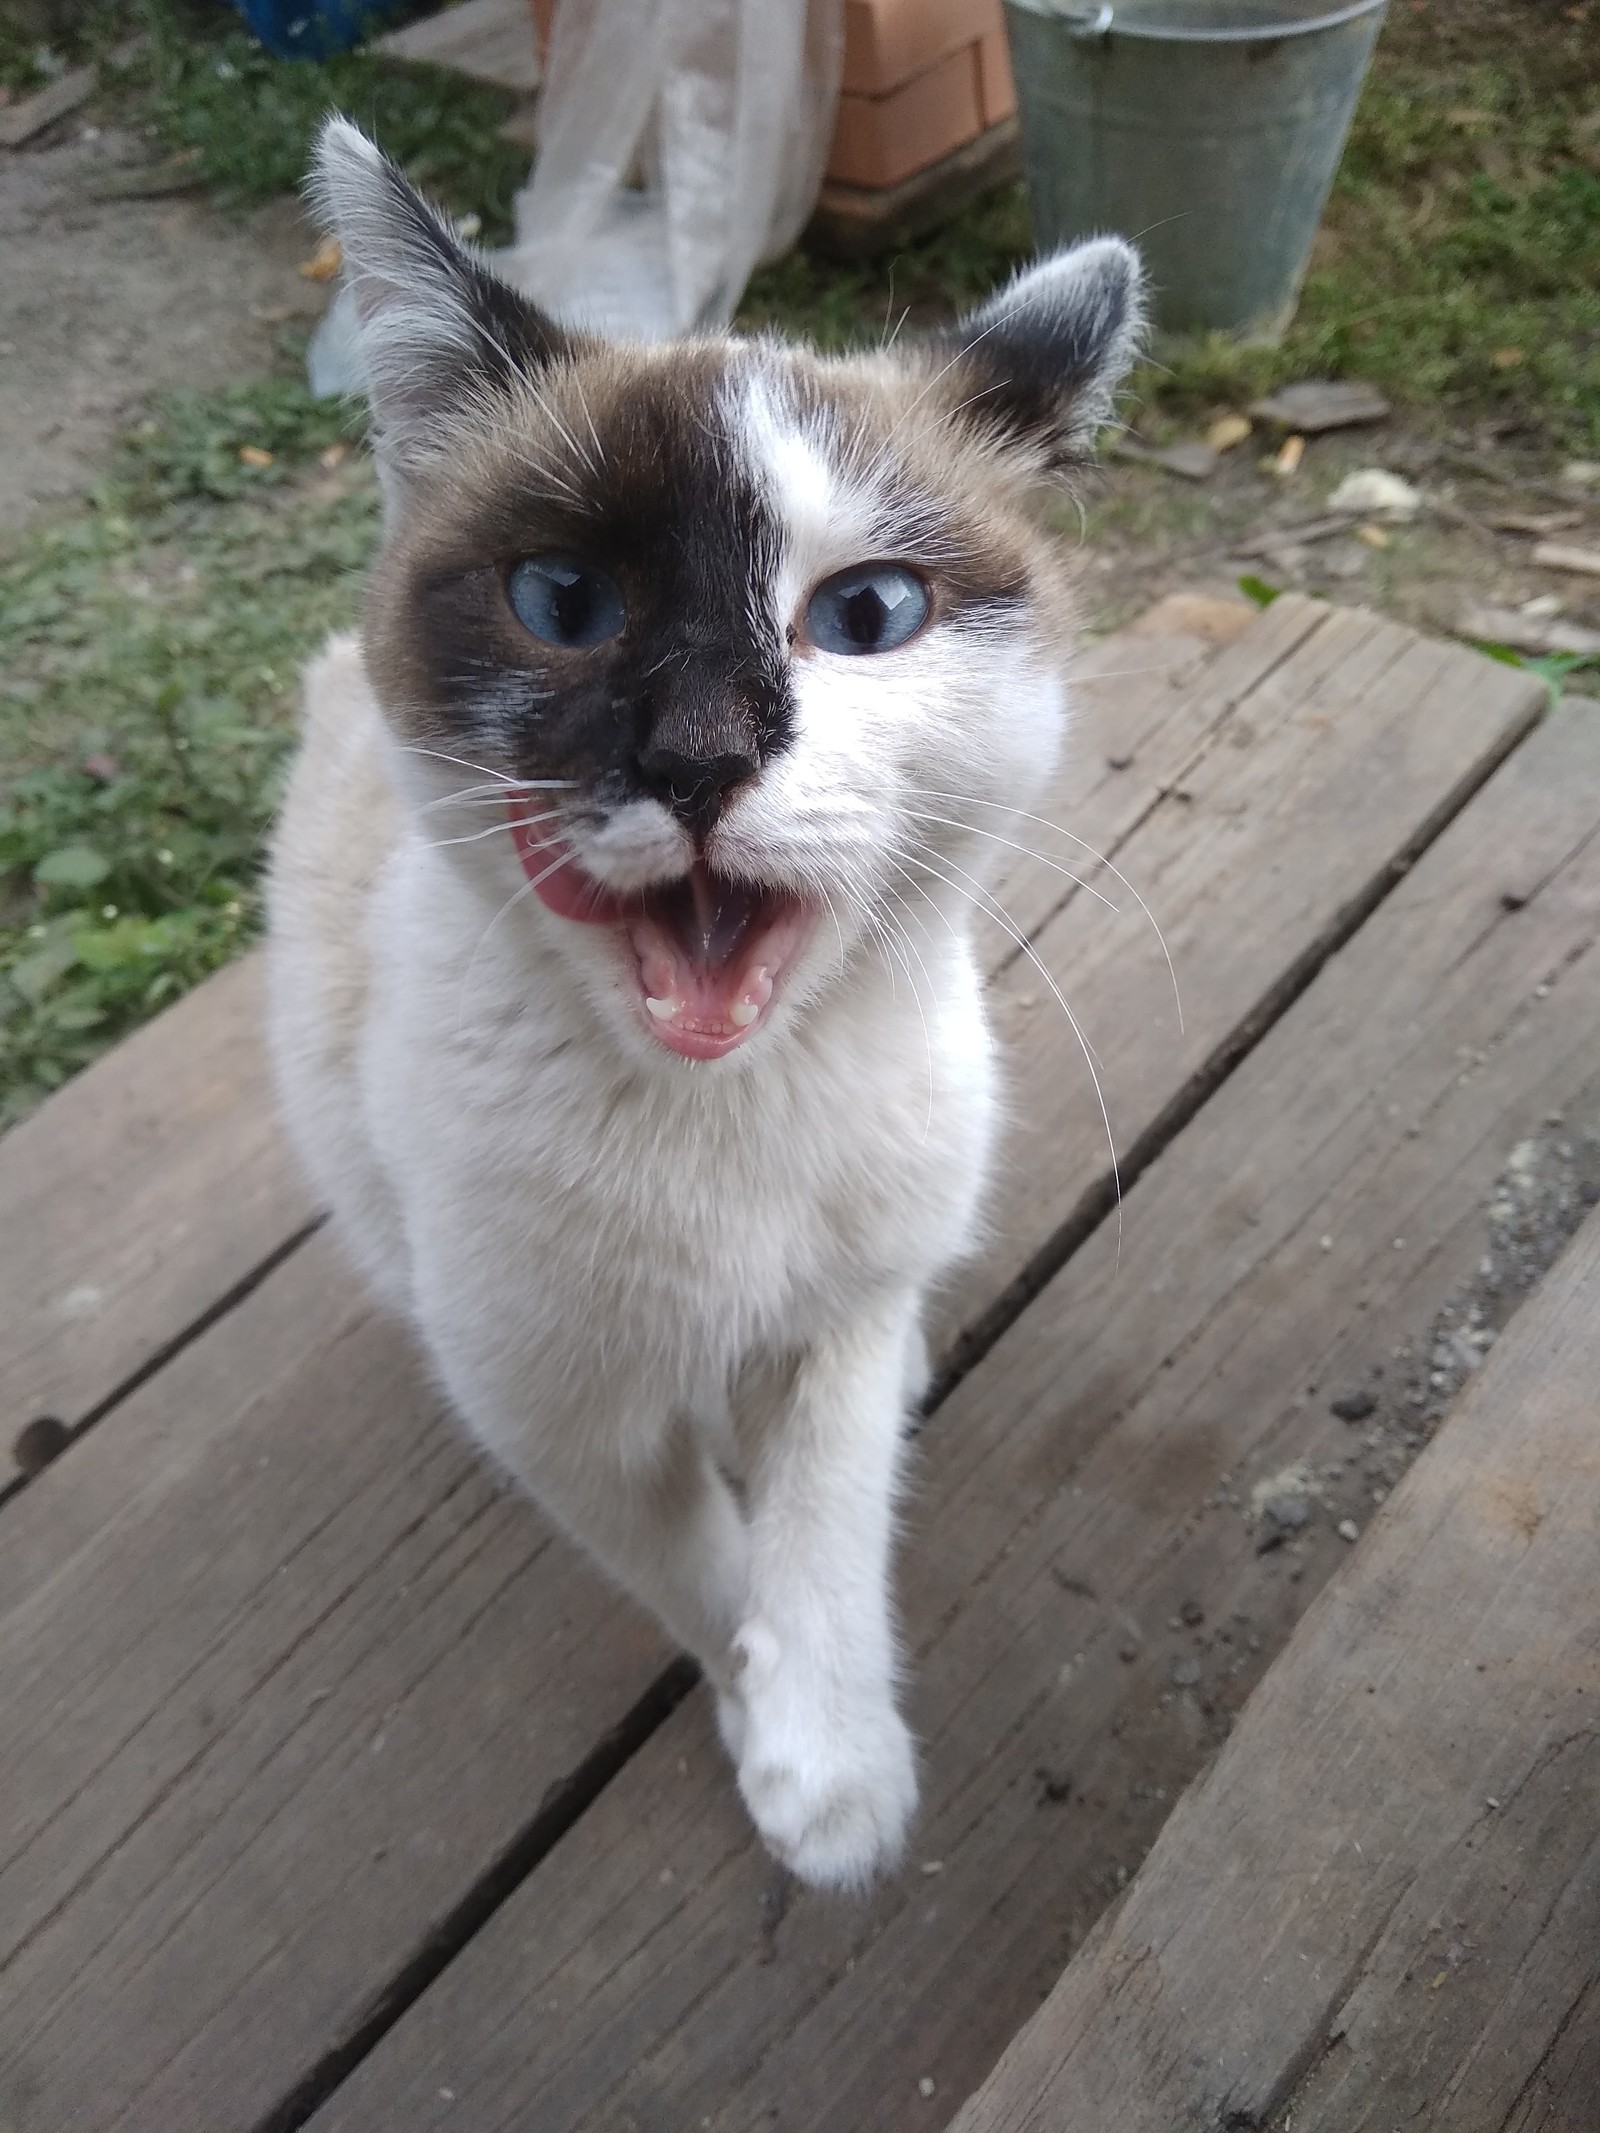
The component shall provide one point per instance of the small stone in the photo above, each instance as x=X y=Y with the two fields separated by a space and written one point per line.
x=927 y=2086
x=1376 y=493
x=1281 y=1516
x=1321 y=404
x=1128 y=1653
x=1348 y=1530
x=1353 y=1406
x=1228 y=431
x=1191 y=1614
x=1184 y=1673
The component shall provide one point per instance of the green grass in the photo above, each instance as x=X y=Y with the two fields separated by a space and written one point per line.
x=205 y=87
x=151 y=640
x=1459 y=263
x=151 y=647
x=1458 y=267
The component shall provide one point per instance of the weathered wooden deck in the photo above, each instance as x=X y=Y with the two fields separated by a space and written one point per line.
x=338 y=1791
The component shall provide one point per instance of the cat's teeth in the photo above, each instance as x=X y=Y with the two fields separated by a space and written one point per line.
x=742 y=1013
x=663 y=1010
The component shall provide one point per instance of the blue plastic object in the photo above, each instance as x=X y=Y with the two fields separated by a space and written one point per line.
x=313 y=29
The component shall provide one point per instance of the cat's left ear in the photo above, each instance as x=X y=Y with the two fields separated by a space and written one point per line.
x=434 y=326
x=1043 y=358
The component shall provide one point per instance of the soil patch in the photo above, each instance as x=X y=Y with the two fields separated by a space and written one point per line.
x=108 y=301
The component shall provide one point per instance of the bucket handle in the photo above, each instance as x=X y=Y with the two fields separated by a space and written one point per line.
x=1083 y=18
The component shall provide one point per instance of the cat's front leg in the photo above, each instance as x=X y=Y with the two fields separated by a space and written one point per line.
x=825 y=1762
x=661 y=1519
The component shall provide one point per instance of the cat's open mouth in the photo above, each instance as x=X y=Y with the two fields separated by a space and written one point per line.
x=709 y=954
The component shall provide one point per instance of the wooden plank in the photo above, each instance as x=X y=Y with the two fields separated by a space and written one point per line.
x=273 y=1718
x=220 y=2042
x=1400 y=1848
x=151 y=1578
x=1299 y=805
x=1085 y=1604
x=19 y=122
x=144 y=1193
x=120 y=1238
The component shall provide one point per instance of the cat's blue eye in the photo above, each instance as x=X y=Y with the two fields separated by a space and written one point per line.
x=562 y=601
x=873 y=608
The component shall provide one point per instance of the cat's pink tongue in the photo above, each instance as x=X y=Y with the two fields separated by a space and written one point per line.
x=707 y=952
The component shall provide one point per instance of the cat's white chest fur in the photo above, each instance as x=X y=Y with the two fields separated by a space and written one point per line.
x=580 y=1237
x=623 y=999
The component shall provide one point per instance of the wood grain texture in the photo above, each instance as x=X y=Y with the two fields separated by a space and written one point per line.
x=139 y=1198
x=135 y=1199
x=1069 y=1529
x=269 y=1719
x=1391 y=1880
x=1295 y=806
x=212 y=1880
x=171 y=1588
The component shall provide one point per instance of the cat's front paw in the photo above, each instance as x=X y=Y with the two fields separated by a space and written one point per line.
x=831 y=1797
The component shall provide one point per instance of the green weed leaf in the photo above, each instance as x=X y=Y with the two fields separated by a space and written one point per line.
x=73 y=866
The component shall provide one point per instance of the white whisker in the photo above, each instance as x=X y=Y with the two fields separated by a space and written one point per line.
x=949 y=822
x=1003 y=917
x=516 y=897
x=495 y=795
x=461 y=763
x=495 y=829
x=838 y=929
x=1100 y=859
x=886 y=936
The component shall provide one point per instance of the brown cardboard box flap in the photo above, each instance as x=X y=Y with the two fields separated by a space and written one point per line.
x=887 y=42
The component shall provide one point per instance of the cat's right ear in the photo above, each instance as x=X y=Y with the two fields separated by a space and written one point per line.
x=1041 y=361
x=434 y=325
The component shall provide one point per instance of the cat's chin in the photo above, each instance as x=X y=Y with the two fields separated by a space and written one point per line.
x=708 y=955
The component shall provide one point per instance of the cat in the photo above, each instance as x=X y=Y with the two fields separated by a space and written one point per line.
x=622 y=993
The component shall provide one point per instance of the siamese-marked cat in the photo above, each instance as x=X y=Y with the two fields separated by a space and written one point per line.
x=623 y=999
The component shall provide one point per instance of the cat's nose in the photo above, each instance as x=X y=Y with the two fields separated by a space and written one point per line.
x=695 y=787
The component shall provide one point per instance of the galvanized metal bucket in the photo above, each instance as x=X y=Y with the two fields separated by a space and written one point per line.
x=1206 y=130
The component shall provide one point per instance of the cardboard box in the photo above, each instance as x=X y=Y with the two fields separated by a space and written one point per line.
x=922 y=78
x=997 y=90
x=878 y=140
x=886 y=42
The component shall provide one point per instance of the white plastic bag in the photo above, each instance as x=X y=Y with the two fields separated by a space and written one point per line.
x=681 y=142
x=723 y=109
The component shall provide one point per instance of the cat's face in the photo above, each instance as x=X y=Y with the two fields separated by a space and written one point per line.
x=708 y=653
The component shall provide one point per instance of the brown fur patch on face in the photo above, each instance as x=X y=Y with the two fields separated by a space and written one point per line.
x=959 y=500
x=621 y=459
x=632 y=460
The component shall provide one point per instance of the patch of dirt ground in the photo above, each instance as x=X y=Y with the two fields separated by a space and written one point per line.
x=106 y=300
